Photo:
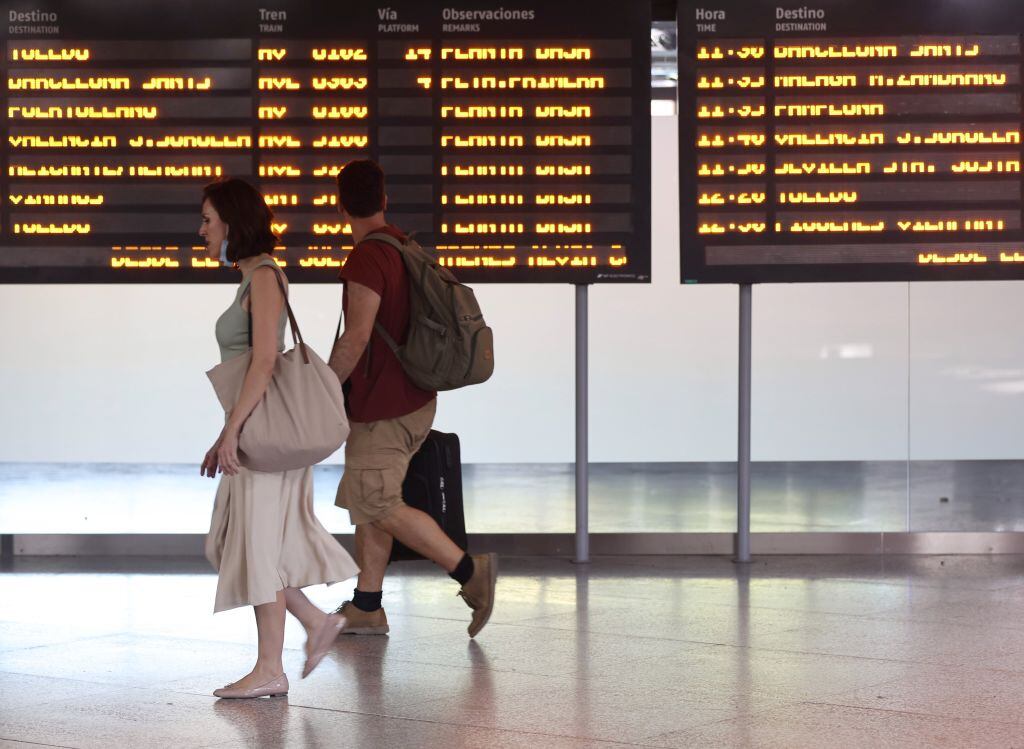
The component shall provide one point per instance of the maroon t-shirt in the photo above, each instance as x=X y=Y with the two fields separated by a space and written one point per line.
x=379 y=388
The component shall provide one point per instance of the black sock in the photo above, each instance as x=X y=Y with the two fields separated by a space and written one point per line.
x=368 y=602
x=464 y=571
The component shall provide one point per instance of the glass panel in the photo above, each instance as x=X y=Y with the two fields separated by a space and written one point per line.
x=967 y=382
x=829 y=408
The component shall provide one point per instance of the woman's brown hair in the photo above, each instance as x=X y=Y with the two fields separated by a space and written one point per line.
x=243 y=209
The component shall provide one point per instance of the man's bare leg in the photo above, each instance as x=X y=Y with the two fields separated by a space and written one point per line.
x=419 y=532
x=373 y=549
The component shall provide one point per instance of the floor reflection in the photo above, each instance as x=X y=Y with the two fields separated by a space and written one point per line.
x=637 y=651
x=266 y=717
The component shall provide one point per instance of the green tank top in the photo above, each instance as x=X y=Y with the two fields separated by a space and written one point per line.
x=232 y=329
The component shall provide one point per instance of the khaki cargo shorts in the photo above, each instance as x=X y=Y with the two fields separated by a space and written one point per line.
x=377 y=456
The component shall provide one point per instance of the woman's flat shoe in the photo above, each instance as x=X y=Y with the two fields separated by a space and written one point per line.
x=276 y=687
x=321 y=641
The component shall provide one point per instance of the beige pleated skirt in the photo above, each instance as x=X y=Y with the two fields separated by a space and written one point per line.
x=264 y=537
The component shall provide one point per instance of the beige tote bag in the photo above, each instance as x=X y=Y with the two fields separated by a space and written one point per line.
x=300 y=420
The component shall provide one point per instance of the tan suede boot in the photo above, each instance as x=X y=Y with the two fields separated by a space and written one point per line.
x=478 y=593
x=359 y=622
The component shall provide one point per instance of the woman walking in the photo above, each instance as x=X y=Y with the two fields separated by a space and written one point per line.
x=264 y=540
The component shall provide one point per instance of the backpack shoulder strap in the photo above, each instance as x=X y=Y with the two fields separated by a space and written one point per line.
x=397 y=244
x=386 y=239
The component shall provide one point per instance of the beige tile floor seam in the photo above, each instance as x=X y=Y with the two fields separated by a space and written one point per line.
x=805 y=725
x=531 y=734
x=909 y=713
x=27 y=690
x=777 y=650
x=295 y=657
x=292 y=704
x=865 y=658
x=947 y=693
x=602 y=725
x=402 y=689
x=758 y=619
x=568 y=681
x=994 y=614
x=371 y=731
x=474 y=713
x=938 y=623
x=656 y=740
x=346 y=648
x=129 y=717
x=13 y=637
x=779 y=678
x=1014 y=665
x=912 y=647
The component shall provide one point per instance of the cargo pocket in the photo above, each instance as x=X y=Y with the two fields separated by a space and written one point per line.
x=341 y=499
x=382 y=490
x=369 y=493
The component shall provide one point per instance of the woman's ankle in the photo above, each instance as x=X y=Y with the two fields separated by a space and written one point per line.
x=311 y=624
x=268 y=669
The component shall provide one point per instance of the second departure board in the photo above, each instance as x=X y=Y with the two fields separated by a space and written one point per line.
x=515 y=137
x=869 y=140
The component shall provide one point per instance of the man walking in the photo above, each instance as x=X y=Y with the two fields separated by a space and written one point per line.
x=390 y=417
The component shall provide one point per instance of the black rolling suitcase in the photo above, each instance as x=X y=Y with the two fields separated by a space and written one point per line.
x=433 y=484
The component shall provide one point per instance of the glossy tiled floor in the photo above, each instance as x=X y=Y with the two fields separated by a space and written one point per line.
x=642 y=651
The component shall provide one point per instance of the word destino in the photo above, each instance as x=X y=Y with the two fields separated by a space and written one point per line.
x=32 y=16
x=782 y=14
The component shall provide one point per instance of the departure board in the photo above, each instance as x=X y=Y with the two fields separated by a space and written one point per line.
x=851 y=141
x=515 y=137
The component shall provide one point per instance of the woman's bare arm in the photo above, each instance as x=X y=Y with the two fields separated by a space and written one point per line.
x=266 y=303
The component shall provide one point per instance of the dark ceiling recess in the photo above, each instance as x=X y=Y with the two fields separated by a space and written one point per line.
x=663 y=10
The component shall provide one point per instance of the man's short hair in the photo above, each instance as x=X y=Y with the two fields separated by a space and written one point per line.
x=361 y=188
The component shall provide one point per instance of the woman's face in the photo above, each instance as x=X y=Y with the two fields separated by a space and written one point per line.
x=212 y=230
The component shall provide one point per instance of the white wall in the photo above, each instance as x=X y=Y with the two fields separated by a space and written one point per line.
x=115 y=373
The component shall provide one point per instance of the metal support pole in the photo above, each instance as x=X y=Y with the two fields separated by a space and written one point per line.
x=582 y=452
x=743 y=446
